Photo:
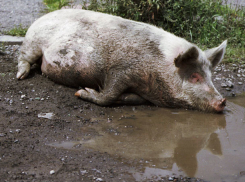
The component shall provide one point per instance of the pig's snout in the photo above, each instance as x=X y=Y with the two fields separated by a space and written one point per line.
x=220 y=105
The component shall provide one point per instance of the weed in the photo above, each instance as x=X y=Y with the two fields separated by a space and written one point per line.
x=2 y=49
x=53 y=5
x=233 y=55
x=17 y=31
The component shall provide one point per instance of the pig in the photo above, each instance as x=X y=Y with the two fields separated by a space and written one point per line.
x=118 y=61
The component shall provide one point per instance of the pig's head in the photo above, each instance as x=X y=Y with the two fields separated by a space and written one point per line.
x=194 y=68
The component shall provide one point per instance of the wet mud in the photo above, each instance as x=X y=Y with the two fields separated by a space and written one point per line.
x=48 y=134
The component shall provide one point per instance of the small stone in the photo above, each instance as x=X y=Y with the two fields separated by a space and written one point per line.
x=218 y=69
x=22 y=96
x=2 y=134
x=52 y=172
x=240 y=83
x=170 y=179
x=99 y=179
x=228 y=89
x=46 y=115
x=229 y=84
x=233 y=94
x=238 y=75
x=83 y=172
x=223 y=85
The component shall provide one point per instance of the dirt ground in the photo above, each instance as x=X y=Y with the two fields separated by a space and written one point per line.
x=24 y=153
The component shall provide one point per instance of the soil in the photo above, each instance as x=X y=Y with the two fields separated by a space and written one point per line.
x=24 y=135
x=24 y=153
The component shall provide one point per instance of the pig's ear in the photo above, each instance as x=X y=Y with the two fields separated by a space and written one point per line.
x=215 y=55
x=188 y=57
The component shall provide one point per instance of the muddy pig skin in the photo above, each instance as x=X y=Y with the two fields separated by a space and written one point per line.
x=119 y=61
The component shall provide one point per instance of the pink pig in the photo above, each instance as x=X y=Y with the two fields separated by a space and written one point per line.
x=119 y=61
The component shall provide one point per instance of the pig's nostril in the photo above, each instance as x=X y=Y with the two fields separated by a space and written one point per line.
x=220 y=105
x=223 y=102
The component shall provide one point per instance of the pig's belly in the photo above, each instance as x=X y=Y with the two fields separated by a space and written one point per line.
x=72 y=74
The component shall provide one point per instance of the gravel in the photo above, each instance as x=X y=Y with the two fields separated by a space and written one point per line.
x=14 y=13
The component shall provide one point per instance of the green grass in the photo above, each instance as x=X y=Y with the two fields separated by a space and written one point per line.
x=235 y=55
x=53 y=5
x=17 y=31
x=206 y=23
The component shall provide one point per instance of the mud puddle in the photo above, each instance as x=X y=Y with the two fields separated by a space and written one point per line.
x=168 y=142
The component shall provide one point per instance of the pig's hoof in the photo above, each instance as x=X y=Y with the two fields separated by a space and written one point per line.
x=87 y=94
x=22 y=75
x=23 y=70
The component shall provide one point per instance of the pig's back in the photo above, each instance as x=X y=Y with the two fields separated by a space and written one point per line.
x=72 y=24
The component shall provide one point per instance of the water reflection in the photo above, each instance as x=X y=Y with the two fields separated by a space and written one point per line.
x=160 y=136
x=164 y=141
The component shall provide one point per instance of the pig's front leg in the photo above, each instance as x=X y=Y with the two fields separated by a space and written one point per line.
x=112 y=93
x=92 y=96
x=108 y=95
x=103 y=99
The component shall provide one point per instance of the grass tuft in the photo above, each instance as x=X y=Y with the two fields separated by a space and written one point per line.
x=53 y=5
x=17 y=31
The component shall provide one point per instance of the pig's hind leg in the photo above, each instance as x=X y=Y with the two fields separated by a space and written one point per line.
x=28 y=55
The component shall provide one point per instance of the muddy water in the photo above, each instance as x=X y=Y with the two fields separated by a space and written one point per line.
x=162 y=142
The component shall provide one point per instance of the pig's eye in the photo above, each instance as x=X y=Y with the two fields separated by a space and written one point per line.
x=195 y=77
